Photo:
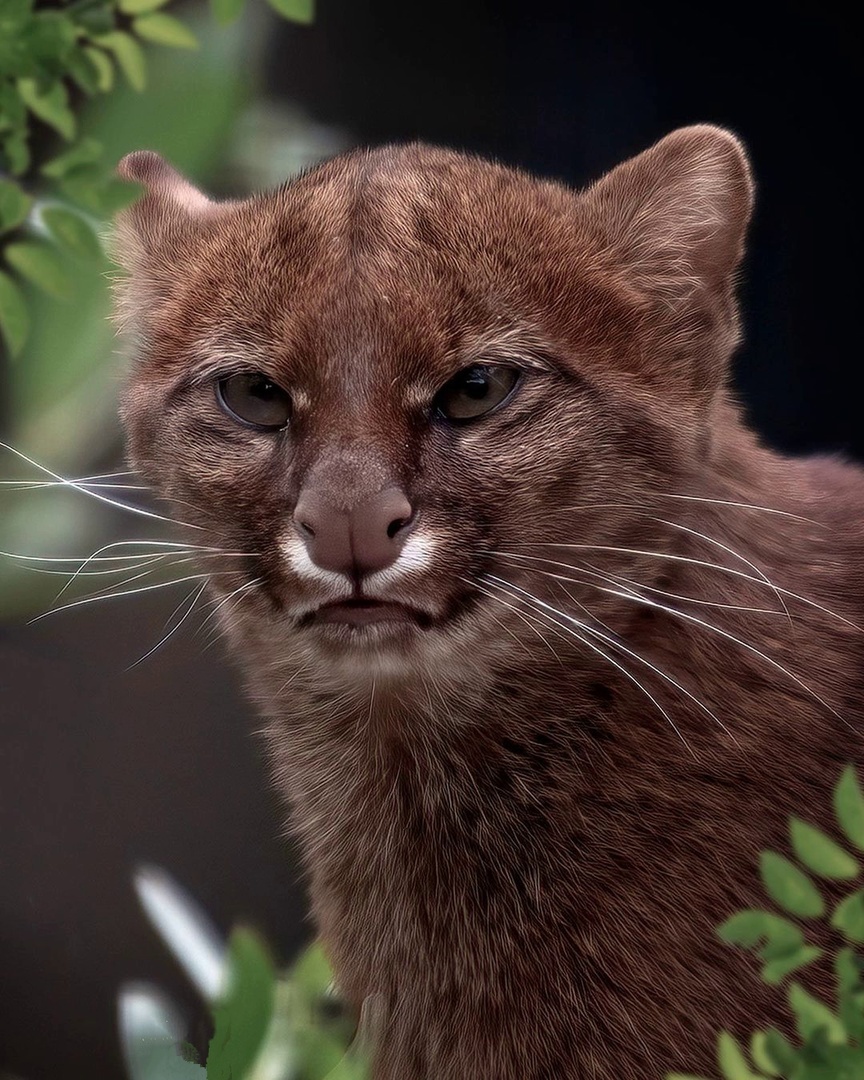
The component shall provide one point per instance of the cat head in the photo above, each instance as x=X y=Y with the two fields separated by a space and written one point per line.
x=397 y=379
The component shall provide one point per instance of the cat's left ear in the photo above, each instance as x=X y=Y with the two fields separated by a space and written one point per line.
x=674 y=220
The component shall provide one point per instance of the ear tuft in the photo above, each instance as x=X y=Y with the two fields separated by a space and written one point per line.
x=162 y=181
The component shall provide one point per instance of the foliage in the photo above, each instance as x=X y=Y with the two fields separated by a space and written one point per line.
x=267 y=1025
x=52 y=59
x=830 y=1039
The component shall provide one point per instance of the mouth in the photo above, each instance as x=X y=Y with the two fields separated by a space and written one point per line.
x=363 y=612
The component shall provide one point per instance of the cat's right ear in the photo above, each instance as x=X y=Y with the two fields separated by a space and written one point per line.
x=169 y=209
x=153 y=236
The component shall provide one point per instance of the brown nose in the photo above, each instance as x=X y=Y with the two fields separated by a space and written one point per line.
x=366 y=538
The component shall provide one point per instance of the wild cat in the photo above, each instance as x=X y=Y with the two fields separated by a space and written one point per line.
x=547 y=644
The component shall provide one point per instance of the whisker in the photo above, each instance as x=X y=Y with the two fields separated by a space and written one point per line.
x=195 y=595
x=36 y=485
x=635 y=597
x=117 y=595
x=95 y=494
x=521 y=615
x=592 y=571
x=613 y=640
x=220 y=602
x=730 y=570
x=609 y=659
x=695 y=498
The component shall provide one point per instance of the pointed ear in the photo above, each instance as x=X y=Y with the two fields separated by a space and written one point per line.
x=679 y=210
x=673 y=220
x=152 y=237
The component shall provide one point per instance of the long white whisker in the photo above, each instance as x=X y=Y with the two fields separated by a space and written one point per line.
x=730 y=570
x=694 y=498
x=220 y=602
x=592 y=571
x=195 y=595
x=95 y=494
x=520 y=614
x=117 y=595
x=609 y=659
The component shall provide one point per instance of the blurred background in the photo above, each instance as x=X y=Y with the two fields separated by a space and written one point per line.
x=104 y=766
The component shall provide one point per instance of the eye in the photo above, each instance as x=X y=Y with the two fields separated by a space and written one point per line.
x=476 y=391
x=254 y=400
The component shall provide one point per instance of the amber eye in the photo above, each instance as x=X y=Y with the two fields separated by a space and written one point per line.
x=476 y=391
x=254 y=400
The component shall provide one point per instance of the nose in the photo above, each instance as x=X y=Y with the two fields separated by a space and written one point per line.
x=366 y=538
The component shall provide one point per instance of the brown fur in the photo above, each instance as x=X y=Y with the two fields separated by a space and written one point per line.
x=515 y=861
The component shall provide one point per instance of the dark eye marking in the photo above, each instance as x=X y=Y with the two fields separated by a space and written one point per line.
x=254 y=400
x=476 y=391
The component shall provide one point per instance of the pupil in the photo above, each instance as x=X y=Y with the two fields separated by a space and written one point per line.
x=477 y=386
x=263 y=388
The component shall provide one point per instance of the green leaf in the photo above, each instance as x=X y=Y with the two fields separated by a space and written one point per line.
x=243 y=1016
x=83 y=153
x=226 y=11
x=165 y=30
x=776 y=969
x=129 y=54
x=92 y=16
x=82 y=71
x=790 y=887
x=780 y=1051
x=17 y=152
x=38 y=262
x=301 y=11
x=849 y=807
x=102 y=66
x=73 y=232
x=14 y=317
x=311 y=973
x=14 y=205
x=761 y=1055
x=683 y=1076
x=848 y=917
x=140 y=7
x=51 y=105
x=819 y=853
x=811 y=1016
x=731 y=1060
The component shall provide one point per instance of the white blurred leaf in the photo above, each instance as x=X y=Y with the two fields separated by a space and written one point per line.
x=150 y=1033
x=185 y=928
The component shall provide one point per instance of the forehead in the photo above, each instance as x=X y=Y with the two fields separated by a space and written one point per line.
x=399 y=262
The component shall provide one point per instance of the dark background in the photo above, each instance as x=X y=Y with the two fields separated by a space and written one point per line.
x=101 y=769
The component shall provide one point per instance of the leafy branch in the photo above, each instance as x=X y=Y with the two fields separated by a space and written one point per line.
x=831 y=1040
x=53 y=58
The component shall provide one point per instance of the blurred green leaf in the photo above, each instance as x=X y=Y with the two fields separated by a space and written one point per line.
x=94 y=16
x=83 y=73
x=243 y=1016
x=83 y=153
x=165 y=30
x=102 y=66
x=140 y=7
x=37 y=261
x=16 y=152
x=301 y=11
x=226 y=11
x=776 y=969
x=14 y=318
x=819 y=853
x=34 y=44
x=849 y=807
x=14 y=205
x=848 y=917
x=761 y=1055
x=51 y=105
x=731 y=1061
x=811 y=1015
x=72 y=232
x=130 y=56
x=790 y=887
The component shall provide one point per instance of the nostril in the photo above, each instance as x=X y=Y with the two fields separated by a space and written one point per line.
x=396 y=526
x=306 y=528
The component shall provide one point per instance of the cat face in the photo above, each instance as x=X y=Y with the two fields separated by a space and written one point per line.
x=399 y=384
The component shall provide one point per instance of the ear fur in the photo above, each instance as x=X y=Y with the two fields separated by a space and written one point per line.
x=151 y=235
x=674 y=218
